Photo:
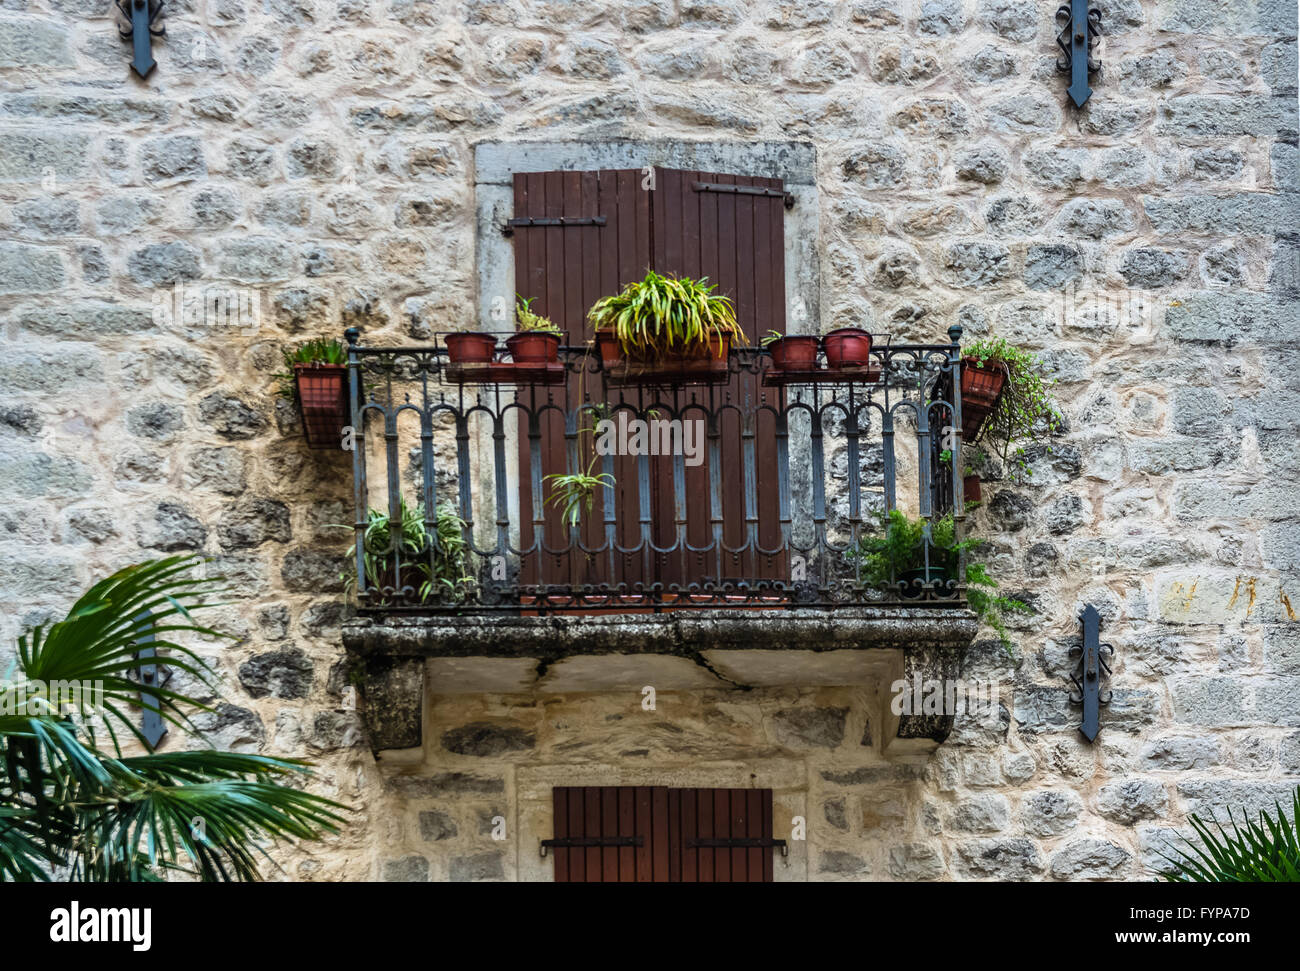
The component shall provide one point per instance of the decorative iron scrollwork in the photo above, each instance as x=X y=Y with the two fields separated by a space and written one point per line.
x=139 y=28
x=1093 y=666
x=1080 y=27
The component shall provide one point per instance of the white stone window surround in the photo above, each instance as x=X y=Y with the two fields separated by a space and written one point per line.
x=795 y=163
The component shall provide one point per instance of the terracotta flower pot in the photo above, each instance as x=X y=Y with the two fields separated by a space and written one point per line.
x=471 y=348
x=534 y=347
x=847 y=347
x=797 y=353
x=323 y=402
x=980 y=389
x=970 y=488
x=612 y=358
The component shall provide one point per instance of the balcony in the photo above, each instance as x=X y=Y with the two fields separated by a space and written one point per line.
x=703 y=527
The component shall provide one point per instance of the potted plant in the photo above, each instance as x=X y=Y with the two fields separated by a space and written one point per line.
x=316 y=375
x=538 y=340
x=1005 y=399
x=973 y=459
x=662 y=321
x=898 y=554
x=443 y=577
x=847 y=347
x=792 y=352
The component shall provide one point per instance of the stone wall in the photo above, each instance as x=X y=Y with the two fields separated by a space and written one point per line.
x=318 y=158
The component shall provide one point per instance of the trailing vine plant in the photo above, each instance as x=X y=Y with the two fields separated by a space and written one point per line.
x=1026 y=408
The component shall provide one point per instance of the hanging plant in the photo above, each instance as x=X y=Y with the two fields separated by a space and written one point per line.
x=1024 y=409
x=316 y=375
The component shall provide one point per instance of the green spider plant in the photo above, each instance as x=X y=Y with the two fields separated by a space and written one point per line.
x=73 y=806
x=661 y=314
x=575 y=493
x=1267 y=851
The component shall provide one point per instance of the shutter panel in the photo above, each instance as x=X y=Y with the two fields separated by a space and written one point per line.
x=566 y=269
x=738 y=242
x=668 y=823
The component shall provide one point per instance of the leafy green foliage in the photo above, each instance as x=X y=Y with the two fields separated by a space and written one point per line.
x=575 y=493
x=661 y=314
x=1267 y=851
x=529 y=322
x=68 y=804
x=318 y=350
x=900 y=546
x=443 y=576
x=1026 y=409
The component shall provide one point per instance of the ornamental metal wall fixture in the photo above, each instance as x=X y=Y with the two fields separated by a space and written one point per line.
x=1080 y=33
x=1093 y=666
x=139 y=29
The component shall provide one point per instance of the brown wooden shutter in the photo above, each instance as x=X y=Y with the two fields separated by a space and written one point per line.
x=567 y=269
x=687 y=225
x=737 y=240
x=669 y=825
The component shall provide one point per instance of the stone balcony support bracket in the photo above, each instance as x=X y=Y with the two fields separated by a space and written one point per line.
x=397 y=659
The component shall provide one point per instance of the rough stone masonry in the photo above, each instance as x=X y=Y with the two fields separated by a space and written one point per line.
x=319 y=156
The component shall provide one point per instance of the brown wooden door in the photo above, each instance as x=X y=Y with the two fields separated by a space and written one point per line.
x=668 y=825
x=685 y=224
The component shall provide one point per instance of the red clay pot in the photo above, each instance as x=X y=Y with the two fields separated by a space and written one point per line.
x=797 y=353
x=470 y=348
x=323 y=402
x=535 y=347
x=847 y=347
x=716 y=349
x=980 y=389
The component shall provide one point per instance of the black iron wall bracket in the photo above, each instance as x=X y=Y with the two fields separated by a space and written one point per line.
x=1080 y=27
x=151 y=675
x=139 y=29
x=1093 y=666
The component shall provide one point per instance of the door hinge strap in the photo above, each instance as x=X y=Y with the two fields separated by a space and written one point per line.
x=562 y=222
x=745 y=190
x=736 y=843
x=570 y=842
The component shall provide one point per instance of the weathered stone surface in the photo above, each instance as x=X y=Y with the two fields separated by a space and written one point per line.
x=172 y=528
x=283 y=673
x=485 y=740
x=480 y=866
x=916 y=861
x=407 y=869
x=810 y=727
x=1132 y=800
x=1050 y=812
x=1015 y=858
x=1090 y=859
x=436 y=825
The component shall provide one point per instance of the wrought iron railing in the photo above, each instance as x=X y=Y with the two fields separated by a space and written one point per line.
x=748 y=487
